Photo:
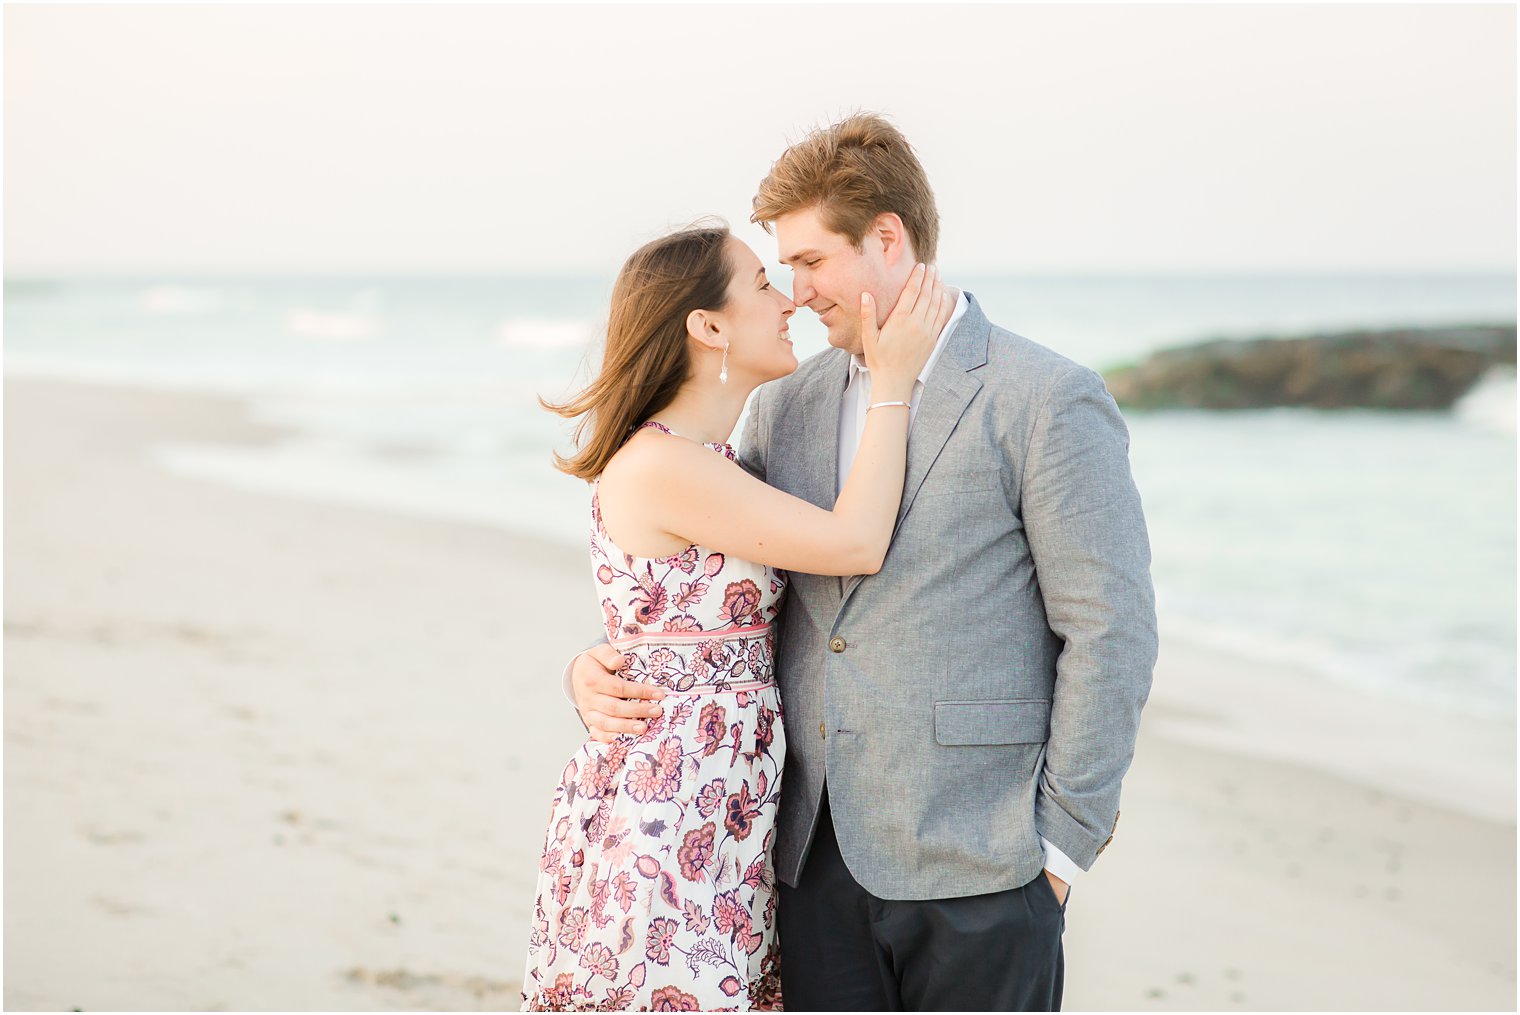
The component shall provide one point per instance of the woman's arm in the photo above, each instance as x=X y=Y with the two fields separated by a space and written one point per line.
x=700 y=497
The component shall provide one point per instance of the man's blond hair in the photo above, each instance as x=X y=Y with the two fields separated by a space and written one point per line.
x=859 y=168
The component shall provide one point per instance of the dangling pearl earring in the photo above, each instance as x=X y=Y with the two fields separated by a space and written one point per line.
x=723 y=372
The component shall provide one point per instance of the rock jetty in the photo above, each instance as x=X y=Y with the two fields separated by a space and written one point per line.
x=1406 y=368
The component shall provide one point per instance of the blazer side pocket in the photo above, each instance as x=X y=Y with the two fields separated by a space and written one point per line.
x=1001 y=721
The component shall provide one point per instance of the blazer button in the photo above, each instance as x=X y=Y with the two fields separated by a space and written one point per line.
x=836 y=644
x=821 y=734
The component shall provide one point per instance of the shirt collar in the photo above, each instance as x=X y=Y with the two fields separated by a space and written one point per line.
x=858 y=363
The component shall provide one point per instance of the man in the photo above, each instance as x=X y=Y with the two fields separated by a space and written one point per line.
x=957 y=724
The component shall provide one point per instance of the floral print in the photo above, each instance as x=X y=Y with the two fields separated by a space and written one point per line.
x=656 y=890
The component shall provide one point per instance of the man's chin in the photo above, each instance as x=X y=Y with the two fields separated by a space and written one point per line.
x=850 y=343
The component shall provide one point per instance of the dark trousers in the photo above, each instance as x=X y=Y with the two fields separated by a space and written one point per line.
x=843 y=949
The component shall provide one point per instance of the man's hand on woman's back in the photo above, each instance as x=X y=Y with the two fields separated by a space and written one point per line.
x=608 y=704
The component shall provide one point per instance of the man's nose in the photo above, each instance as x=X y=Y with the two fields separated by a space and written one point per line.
x=802 y=293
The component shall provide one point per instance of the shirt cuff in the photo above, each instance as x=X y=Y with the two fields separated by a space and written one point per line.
x=565 y=684
x=1058 y=863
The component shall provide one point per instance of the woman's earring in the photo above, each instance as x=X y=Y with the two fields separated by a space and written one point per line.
x=723 y=371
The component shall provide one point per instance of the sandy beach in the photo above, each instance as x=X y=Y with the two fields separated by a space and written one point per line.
x=262 y=753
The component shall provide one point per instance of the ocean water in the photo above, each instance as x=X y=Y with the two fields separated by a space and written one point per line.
x=1372 y=550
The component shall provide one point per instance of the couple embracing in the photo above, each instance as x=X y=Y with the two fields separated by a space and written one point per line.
x=871 y=681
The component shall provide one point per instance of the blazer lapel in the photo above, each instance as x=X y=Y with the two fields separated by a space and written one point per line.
x=947 y=393
x=820 y=403
x=818 y=411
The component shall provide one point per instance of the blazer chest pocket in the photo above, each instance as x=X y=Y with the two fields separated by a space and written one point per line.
x=1005 y=721
x=961 y=480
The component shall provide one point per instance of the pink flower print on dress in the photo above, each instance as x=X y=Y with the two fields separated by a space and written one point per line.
x=598 y=777
x=561 y=996
x=741 y=813
x=712 y=727
x=668 y=890
x=714 y=564
x=597 y=826
x=559 y=883
x=710 y=798
x=652 y=729
x=686 y=560
x=673 y=999
x=657 y=776
x=649 y=602
x=756 y=876
x=623 y=891
x=743 y=924
x=604 y=575
x=598 y=958
x=696 y=920
x=618 y=999
x=759 y=656
x=662 y=933
x=696 y=852
x=682 y=622
x=740 y=601
x=726 y=910
x=711 y=657
x=691 y=594
x=765 y=731
x=663 y=661
x=599 y=903
x=572 y=929
x=618 y=845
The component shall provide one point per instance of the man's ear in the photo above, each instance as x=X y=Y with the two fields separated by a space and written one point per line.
x=890 y=232
x=701 y=327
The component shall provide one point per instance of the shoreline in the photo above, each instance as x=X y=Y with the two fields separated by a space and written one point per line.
x=269 y=753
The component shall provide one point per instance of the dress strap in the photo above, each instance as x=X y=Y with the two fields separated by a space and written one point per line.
x=726 y=450
x=658 y=426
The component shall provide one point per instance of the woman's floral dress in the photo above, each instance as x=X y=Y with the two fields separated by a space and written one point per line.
x=656 y=890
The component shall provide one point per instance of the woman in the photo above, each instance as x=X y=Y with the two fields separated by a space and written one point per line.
x=656 y=889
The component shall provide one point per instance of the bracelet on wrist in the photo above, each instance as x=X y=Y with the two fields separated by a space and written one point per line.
x=879 y=405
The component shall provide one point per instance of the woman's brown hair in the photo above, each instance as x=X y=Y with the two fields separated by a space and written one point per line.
x=647 y=357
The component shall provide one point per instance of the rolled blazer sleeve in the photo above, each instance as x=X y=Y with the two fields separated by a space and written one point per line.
x=1087 y=536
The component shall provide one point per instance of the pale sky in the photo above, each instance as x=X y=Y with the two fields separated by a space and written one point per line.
x=338 y=139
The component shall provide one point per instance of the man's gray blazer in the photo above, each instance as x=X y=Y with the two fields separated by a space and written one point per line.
x=984 y=688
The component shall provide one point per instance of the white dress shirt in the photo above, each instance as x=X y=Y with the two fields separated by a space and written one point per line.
x=857 y=395
x=852 y=424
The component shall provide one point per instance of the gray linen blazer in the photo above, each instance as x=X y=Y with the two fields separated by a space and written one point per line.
x=984 y=688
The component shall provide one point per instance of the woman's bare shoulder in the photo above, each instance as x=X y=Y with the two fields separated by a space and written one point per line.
x=649 y=455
